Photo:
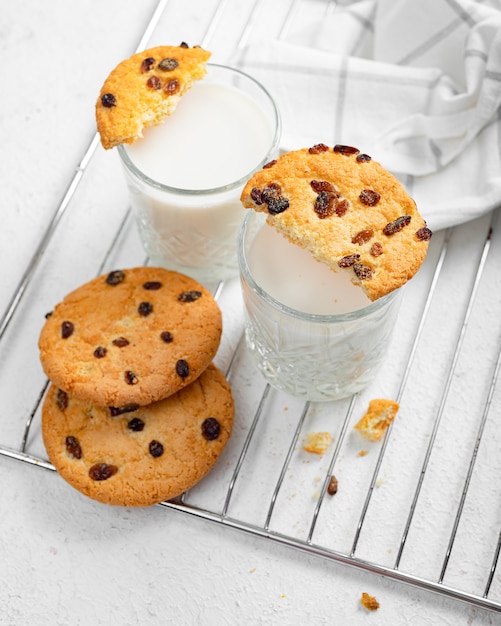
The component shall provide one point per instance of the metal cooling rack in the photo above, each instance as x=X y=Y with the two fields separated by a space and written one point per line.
x=423 y=505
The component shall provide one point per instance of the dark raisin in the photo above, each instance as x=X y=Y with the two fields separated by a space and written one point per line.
x=364 y=272
x=341 y=207
x=61 y=399
x=49 y=314
x=369 y=197
x=147 y=64
x=145 y=308
x=346 y=150
x=277 y=205
x=270 y=164
x=322 y=185
x=324 y=204
x=210 y=429
x=115 y=277
x=348 y=260
x=152 y=285
x=120 y=410
x=189 y=296
x=102 y=471
x=166 y=336
x=257 y=196
x=376 y=249
x=183 y=44
x=108 y=100
x=271 y=192
x=332 y=486
x=182 y=368
x=168 y=64
x=73 y=447
x=171 y=87
x=424 y=234
x=67 y=329
x=100 y=352
x=363 y=236
x=156 y=448
x=397 y=225
x=136 y=424
x=318 y=148
x=120 y=342
x=130 y=378
x=154 y=82
x=362 y=158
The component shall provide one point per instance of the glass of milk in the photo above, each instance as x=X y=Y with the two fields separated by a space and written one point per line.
x=311 y=332
x=185 y=176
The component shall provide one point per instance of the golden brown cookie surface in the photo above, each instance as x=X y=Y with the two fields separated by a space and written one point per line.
x=132 y=336
x=347 y=210
x=142 y=90
x=142 y=457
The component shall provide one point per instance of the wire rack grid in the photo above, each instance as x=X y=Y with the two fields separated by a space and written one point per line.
x=421 y=506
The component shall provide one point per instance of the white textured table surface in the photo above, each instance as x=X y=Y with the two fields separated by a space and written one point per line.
x=65 y=559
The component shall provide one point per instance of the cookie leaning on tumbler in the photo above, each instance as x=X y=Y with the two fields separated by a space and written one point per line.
x=143 y=89
x=347 y=210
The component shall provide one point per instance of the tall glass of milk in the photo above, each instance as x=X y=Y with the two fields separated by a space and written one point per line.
x=311 y=331
x=185 y=176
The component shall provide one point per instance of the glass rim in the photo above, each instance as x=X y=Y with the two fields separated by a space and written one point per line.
x=133 y=169
x=315 y=318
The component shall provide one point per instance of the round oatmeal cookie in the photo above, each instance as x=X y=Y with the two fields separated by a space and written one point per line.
x=347 y=210
x=131 y=337
x=143 y=89
x=142 y=457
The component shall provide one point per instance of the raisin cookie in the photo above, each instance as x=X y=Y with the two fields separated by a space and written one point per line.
x=131 y=337
x=143 y=457
x=347 y=210
x=142 y=90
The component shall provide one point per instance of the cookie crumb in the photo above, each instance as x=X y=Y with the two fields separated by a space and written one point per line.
x=317 y=442
x=377 y=418
x=363 y=452
x=369 y=602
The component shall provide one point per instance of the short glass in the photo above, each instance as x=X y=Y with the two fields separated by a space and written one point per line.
x=194 y=231
x=311 y=356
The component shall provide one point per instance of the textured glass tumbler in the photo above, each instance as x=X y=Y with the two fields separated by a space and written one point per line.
x=315 y=357
x=194 y=231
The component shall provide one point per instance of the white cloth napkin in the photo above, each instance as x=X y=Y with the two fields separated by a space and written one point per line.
x=414 y=83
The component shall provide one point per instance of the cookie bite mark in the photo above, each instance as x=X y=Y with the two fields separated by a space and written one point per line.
x=145 y=88
x=347 y=210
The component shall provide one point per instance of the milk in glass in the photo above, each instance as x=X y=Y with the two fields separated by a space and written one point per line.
x=185 y=176
x=291 y=275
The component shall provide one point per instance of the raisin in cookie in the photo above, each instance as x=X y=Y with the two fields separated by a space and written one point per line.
x=131 y=337
x=347 y=210
x=142 y=457
x=142 y=90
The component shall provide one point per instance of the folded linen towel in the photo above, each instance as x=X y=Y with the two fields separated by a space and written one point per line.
x=417 y=85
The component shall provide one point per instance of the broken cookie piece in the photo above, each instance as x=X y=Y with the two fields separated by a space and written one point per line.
x=317 y=442
x=378 y=417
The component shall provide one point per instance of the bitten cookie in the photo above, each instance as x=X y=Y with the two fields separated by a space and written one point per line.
x=131 y=337
x=142 y=457
x=142 y=90
x=347 y=210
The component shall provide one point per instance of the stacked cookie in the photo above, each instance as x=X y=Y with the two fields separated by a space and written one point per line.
x=136 y=412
